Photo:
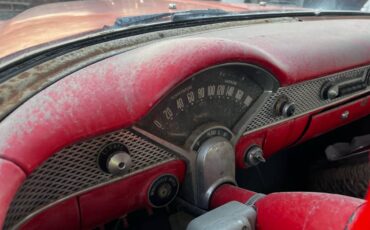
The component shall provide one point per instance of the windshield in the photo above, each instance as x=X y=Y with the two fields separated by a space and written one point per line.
x=29 y=23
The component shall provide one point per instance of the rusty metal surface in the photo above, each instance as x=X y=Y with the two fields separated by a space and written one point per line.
x=19 y=88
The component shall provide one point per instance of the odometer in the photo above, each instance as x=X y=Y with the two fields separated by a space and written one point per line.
x=217 y=95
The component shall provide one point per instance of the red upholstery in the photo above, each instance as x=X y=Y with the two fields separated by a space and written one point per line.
x=295 y=210
x=305 y=211
x=363 y=220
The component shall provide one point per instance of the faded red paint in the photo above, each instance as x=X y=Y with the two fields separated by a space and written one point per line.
x=116 y=92
x=108 y=95
x=363 y=220
x=294 y=210
x=124 y=196
x=227 y=193
x=95 y=208
x=65 y=215
x=50 y=22
x=11 y=177
x=332 y=119
x=306 y=210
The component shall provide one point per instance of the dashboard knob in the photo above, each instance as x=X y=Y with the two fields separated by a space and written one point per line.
x=119 y=163
x=284 y=107
x=114 y=158
x=332 y=93
x=329 y=90
x=288 y=109
x=254 y=156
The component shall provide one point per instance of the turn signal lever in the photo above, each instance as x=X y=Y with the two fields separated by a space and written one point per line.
x=286 y=210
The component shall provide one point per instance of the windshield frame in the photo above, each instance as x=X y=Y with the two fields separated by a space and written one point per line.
x=40 y=53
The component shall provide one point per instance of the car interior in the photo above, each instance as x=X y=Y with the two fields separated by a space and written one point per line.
x=237 y=123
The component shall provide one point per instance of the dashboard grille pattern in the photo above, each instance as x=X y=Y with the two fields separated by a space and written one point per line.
x=75 y=168
x=306 y=97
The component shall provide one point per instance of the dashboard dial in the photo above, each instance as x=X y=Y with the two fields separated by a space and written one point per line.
x=219 y=95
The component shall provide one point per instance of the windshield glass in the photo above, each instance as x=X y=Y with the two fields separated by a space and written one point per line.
x=28 y=23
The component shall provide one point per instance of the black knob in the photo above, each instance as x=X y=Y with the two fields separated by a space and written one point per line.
x=288 y=109
x=163 y=190
x=283 y=107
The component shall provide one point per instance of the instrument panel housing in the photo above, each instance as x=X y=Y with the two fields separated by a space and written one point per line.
x=119 y=91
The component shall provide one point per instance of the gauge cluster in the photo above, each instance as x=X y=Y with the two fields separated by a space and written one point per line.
x=220 y=95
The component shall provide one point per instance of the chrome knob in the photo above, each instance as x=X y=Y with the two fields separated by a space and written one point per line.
x=119 y=163
x=333 y=92
x=254 y=156
x=114 y=158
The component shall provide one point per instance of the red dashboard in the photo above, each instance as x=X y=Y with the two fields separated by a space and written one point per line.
x=115 y=94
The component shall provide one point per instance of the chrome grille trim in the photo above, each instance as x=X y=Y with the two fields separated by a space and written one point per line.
x=306 y=97
x=74 y=169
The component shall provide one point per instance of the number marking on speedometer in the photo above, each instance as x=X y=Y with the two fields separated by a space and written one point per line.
x=210 y=96
x=248 y=100
x=191 y=97
x=230 y=91
x=239 y=94
x=211 y=90
x=180 y=104
x=158 y=124
x=220 y=90
x=169 y=114
x=201 y=93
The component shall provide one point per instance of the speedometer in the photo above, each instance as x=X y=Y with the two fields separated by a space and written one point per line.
x=220 y=95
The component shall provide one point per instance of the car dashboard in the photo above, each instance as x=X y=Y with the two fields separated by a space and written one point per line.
x=134 y=129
